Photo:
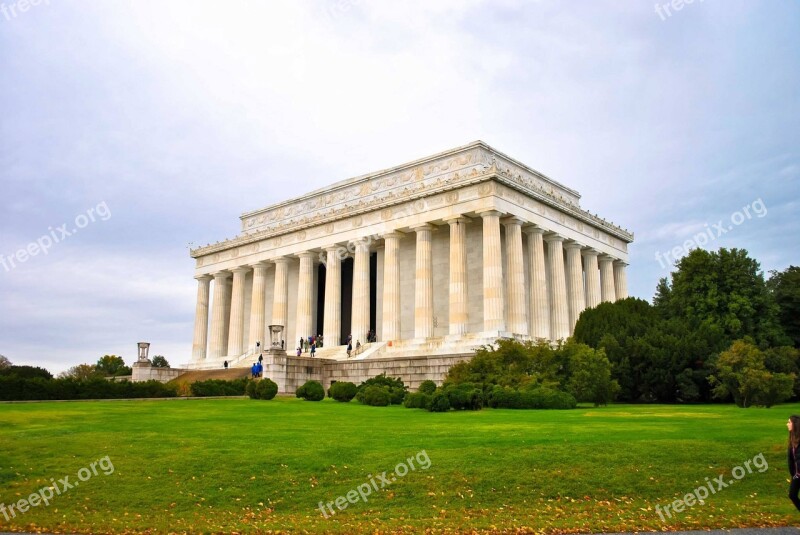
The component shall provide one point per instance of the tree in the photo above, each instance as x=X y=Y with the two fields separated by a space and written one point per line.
x=725 y=291
x=785 y=288
x=82 y=371
x=159 y=362
x=741 y=373
x=4 y=362
x=110 y=365
x=590 y=375
x=26 y=372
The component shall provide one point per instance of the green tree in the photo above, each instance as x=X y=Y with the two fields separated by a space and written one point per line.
x=785 y=288
x=110 y=365
x=590 y=375
x=4 y=362
x=741 y=373
x=724 y=291
x=159 y=362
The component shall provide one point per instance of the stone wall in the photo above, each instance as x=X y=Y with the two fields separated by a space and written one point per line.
x=149 y=373
x=291 y=372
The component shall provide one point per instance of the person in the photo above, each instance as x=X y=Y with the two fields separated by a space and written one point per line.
x=259 y=369
x=358 y=346
x=305 y=346
x=793 y=425
x=253 y=370
x=313 y=349
x=349 y=339
x=301 y=341
x=282 y=344
x=349 y=349
x=260 y=359
x=319 y=340
x=299 y=352
x=225 y=364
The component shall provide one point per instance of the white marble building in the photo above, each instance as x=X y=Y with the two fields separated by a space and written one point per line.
x=436 y=256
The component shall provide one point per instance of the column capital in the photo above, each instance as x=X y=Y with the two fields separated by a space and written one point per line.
x=513 y=220
x=621 y=263
x=490 y=212
x=457 y=219
x=533 y=229
x=588 y=251
x=422 y=227
x=260 y=264
x=603 y=257
x=553 y=237
x=307 y=254
x=571 y=244
x=280 y=260
x=240 y=269
x=204 y=278
x=393 y=235
x=222 y=274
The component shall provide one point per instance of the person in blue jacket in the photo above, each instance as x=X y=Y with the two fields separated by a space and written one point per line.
x=793 y=425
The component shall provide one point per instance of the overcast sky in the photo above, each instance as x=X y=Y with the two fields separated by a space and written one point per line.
x=151 y=125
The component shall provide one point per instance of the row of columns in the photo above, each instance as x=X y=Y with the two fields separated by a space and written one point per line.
x=559 y=289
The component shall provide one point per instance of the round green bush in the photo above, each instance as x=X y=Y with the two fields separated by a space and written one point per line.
x=265 y=389
x=375 y=396
x=343 y=391
x=417 y=400
x=397 y=395
x=311 y=391
x=250 y=390
x=439 y=402
x=427 y=387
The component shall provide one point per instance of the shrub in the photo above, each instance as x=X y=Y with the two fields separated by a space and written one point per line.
x=343 y=391
x=375 y=396
x=250 y=390
x=19 y=389
x=219 y=387
x=427 y=387
x=439 y=402
x=311 y=391
x=397 y=395
x=417 y=400
x=464 y=397
x=394 y=388
x=264 y=389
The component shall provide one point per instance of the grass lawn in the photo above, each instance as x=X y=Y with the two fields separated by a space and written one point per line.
x=236 y=465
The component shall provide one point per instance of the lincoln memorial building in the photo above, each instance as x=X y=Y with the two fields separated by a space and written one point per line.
x=435 y=257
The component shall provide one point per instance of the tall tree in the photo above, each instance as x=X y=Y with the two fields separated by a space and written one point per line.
x=159 y=362
x=4 y=362
x=81 y=371
x=785 y=288
x=723 y=290
x=110 y=365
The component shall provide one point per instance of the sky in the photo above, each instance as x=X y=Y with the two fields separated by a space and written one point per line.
x=132 y=131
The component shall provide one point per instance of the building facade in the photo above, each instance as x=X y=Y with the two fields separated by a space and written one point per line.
x=431 y=258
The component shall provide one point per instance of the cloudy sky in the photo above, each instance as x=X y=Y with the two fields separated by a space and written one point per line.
x=148 y=126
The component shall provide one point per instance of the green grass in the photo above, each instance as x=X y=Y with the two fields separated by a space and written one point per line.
x=252 y=466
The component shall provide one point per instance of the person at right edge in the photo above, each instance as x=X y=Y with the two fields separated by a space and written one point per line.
x=793 y=425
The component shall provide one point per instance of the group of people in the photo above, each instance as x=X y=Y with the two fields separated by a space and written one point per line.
x=257 y=368
x=309 y=344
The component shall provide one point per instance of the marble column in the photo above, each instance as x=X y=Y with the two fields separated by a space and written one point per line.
x=540 y=310
x=226 y=324
x=304 y=324
x=201 y=318
x=493 y=299
x=459 y=305
x=391 y=286
x=559 y=310
x=360 y=317
x=280 y=298
x=258 y=306
x=517 y=297
x=217 y=344
x=607 y=291
x=575 y=290
x=592 y=270
x=423 y=283
x=332 y=328
x=236 y=335
x=620 y=279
